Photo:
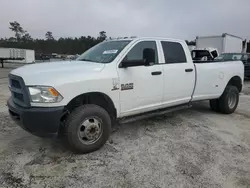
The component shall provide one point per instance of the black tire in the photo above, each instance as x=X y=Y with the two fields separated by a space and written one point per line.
x=75 y=120
x=214 y=105
x=224 y=100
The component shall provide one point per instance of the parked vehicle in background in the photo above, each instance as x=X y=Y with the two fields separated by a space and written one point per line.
x=212 y=46
x=117 y=80
x=225 y=43
x=54 y=55
x=244 y=57
x=204 y=54
x=45 y=57
x=16 y=55
x=191 y=47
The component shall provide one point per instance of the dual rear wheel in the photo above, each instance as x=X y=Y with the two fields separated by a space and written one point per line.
x=228 y=102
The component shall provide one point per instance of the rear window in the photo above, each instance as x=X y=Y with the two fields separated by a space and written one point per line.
x=173 y=52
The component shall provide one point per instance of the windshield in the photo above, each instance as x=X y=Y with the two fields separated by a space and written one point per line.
x=104 y=52
x=230 y=56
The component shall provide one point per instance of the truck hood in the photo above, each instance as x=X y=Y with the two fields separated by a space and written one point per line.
x=45 y=73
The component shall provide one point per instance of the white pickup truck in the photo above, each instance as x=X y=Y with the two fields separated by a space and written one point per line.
x=117 y=80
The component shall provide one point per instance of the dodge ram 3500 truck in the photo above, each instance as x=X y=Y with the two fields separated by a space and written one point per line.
x=117 y=80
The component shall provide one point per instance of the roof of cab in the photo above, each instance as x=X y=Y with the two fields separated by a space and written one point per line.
x=146 y=38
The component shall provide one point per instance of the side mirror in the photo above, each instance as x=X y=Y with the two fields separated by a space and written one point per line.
x=148 y=59
x=132 y=63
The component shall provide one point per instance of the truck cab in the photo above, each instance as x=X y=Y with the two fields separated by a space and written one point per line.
x=116 y=80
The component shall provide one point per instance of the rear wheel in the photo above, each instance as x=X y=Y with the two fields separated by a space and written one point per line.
x=229 y=100
x=87 y=128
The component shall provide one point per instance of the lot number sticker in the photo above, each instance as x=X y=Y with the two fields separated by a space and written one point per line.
x=110 y=52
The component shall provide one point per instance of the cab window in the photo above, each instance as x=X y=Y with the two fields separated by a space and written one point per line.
x=173 y=52
x=145 y=50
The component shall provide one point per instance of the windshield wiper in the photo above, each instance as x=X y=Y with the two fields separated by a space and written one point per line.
x=87 y=60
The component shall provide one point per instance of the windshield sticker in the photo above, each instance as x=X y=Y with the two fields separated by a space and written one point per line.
x=110 y=52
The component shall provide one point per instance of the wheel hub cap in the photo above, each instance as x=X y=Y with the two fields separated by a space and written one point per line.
x=232 y=100
x=90 y=130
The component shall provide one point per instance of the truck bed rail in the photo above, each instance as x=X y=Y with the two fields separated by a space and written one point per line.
x=213 y=61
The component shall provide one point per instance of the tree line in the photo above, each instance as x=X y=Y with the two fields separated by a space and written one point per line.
x=49 y=45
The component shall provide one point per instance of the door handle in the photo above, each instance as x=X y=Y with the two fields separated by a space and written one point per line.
x=188 y=70
x=156 y=73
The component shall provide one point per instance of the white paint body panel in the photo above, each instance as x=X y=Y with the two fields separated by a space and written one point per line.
x=173 y=87
x=141 y=98
x=232 y=44
x=210 y=42
x=212 y=78
x=4 y=53
x=71 y=78
x=29 y=56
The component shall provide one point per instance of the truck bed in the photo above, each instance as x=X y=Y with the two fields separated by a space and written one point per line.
x=213 y=76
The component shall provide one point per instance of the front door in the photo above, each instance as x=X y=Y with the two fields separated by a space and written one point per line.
x=141 y=86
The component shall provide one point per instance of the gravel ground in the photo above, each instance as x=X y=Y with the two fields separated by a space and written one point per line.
x=189 y=148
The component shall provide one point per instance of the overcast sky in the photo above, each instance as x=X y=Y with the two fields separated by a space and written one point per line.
x=183 y=19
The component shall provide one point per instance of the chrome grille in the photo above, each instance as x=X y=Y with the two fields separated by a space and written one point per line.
x=19 y=91
x=15 y=84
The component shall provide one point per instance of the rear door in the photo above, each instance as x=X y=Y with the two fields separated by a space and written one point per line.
x=179 y=73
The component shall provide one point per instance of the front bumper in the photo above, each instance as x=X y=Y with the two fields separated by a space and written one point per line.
x=43 y=122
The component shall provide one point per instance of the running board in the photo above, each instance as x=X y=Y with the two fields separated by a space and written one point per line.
x=153 y=113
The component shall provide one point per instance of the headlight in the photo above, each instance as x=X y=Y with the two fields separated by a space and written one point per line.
x=44 y=94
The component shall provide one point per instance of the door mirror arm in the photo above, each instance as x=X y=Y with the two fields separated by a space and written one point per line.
x=132 y=63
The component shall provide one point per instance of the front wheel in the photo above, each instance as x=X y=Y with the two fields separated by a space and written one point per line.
x=87 y=128
x=229 y=100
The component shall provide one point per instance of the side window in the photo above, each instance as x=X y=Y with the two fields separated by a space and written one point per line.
x=173 y=52
x=145 y=50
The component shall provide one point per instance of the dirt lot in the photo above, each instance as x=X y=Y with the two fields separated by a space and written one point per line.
x=190 y=148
